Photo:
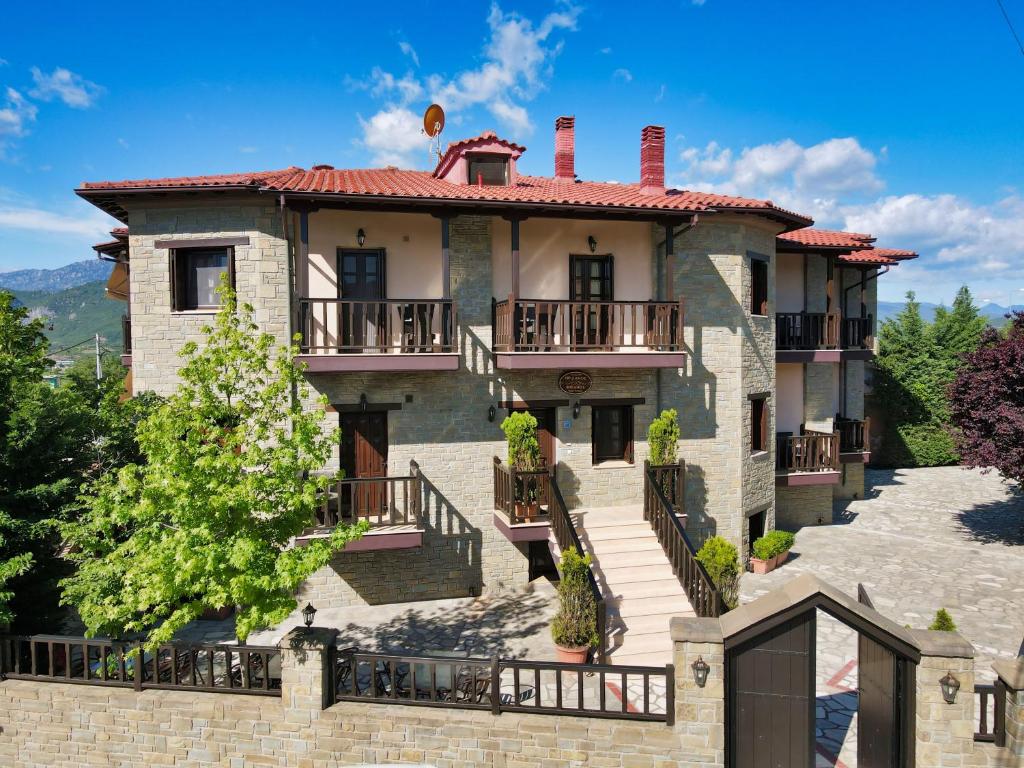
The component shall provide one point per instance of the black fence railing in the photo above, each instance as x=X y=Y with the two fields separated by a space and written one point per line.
x=173 y=666
x=507 y=685
x=990 y=707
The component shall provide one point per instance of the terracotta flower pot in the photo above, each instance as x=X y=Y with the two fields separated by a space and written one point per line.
x=576 y=655
x=781 y=558
x=762 y=567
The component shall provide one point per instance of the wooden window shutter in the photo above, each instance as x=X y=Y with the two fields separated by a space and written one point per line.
x=627 y=432
x=610 y=276
x=573 y=296
x=173 y=273
x=764 y=425
x=231 y=268
x=594 y=436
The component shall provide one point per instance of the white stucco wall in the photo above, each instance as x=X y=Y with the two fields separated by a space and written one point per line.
x=546 y=244
x=789 y=282
x=789 y=384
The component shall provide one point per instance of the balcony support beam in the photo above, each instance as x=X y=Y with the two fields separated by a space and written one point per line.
x=446 y=273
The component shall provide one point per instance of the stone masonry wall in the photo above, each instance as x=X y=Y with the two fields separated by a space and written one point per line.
x=851 y=484
x=730 y=355
x=803 y=505
x=261 y=279
x=819 y=391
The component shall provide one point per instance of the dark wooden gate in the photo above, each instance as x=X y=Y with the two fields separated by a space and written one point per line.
x=771 y=697
x=877 y=727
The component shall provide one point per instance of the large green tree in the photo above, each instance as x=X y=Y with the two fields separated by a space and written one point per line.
x=42 y=464
x=916 y=363
x=209 y=518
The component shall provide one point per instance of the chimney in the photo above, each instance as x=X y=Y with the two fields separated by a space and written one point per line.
x=565 y=148
x=652 y=160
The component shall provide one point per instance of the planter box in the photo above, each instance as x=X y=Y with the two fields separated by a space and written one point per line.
x=762 y=567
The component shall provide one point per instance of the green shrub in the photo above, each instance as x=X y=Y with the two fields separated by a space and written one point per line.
x=943 y=622
x=780 y=541
x=722 y=562
x=520 y=430
x=575 y=624
x=663 y=437
x=763 y=549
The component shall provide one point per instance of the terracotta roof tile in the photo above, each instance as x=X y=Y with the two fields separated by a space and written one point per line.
x=826 y=238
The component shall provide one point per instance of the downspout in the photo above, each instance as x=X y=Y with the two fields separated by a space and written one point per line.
x=694 y=220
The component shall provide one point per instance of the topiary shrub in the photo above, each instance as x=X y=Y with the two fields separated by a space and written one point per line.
x=722 y=562
x=575 y=624
x=942 y=622
x=763 y=549
x=663 y=438
x=520 y=430
x=778 y=542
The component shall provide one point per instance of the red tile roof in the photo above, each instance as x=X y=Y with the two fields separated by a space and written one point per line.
x=825 y=238
x=399 y=185
x=866 y=258
x=895 y=253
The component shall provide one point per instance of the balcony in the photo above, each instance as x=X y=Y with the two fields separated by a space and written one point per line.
x=522 y=503
x=392 y=506
x=808 y=459
x=822 y=337
x=383 y=335
x=542 y=333
x=854 y=440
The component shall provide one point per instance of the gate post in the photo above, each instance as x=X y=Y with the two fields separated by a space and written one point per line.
x=945 y=732
x=700 y=711
x=1011 y=674
x=307 y=670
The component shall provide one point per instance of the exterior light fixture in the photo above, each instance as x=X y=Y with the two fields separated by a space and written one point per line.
x=307 y=615
x=576 y=409
x=362 y=402
x=949 y=685
x=592 y=243
x=700 y=671
x=360 y=237
x=492 y=412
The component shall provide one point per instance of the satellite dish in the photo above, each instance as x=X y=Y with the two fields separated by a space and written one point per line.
x=433 y=120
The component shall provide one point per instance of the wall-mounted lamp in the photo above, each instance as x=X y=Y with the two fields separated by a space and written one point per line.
x=700 y=671
x=362 y=402
x=576 y=409
x=360 y=237
x=592 y=243
x=307 y=614
x=949 y=685
x=492 y=412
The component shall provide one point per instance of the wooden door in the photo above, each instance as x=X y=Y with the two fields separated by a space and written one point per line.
x=770 y=712
x=591 y=280
x=364 y=455
x=877 y=706
x=546 y=430
x=361 y=278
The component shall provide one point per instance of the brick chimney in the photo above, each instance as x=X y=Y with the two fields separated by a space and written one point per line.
x=652 y=160
x=565 y=148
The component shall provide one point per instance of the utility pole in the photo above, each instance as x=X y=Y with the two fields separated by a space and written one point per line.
x=99 y=368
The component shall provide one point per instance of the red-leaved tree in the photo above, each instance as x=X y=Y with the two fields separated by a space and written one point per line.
x=987 y=402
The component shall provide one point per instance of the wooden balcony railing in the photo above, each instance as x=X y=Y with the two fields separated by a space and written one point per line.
x=380 y=501
x=385 y=326
x=811 y=452
x=126 y=334
x=524 y=497
x=539 y=325
x=668 y=527
x=854 y=435
x=991 y=709
x=857 y=332
x=806 y=330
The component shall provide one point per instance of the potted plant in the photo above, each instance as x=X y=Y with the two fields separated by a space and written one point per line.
x=782 y=542
x=762 y=560
x=574 y=628
x=662 y=443
x=722 y=563
x=520 y=430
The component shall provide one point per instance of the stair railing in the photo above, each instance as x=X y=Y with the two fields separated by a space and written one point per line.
x=566 y=536
x=704 y=595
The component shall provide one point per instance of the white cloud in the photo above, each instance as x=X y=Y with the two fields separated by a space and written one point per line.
x=698 y=2
x=123 y=143
x=623 y=74
x=89 y=223
x=660 y=95
x=516 y=62
x=606 y=50
x=15 y=115
x=248 y=150
x=72 y=89
x=409 y=51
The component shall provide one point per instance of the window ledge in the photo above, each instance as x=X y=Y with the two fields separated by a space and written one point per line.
x=614 y=465
x=194 y=311
x=759 y=454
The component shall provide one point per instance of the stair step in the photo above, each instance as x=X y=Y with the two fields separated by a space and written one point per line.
x=627 y=531
x=591 y=520
x=673 y=605
x=646 y=659
x=619 y=546
x=629 y=574
x=642 y=625
x=612 y=560
x=641 y=590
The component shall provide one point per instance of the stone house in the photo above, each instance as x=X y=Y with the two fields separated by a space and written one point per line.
x=431 y=304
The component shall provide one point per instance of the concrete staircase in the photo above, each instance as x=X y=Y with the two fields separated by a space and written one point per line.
x=636 y=580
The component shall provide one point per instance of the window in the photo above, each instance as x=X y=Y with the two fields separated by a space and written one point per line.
x=196 y=274
x=758 y=286
x=758 y=423
x=612 y=428
x=489 y=170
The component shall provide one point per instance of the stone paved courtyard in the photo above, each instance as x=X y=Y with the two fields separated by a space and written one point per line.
x=922 y=539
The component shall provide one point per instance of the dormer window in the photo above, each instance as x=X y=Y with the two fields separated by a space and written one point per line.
x=487 y=170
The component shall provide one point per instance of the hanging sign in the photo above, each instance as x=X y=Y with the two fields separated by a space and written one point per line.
x=574 y=382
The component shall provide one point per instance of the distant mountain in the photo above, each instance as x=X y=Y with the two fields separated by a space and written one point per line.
x=76 y=314
x=50 y=280
x=994 y=312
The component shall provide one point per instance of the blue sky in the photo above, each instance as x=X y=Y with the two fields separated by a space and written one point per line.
x=900 y=119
